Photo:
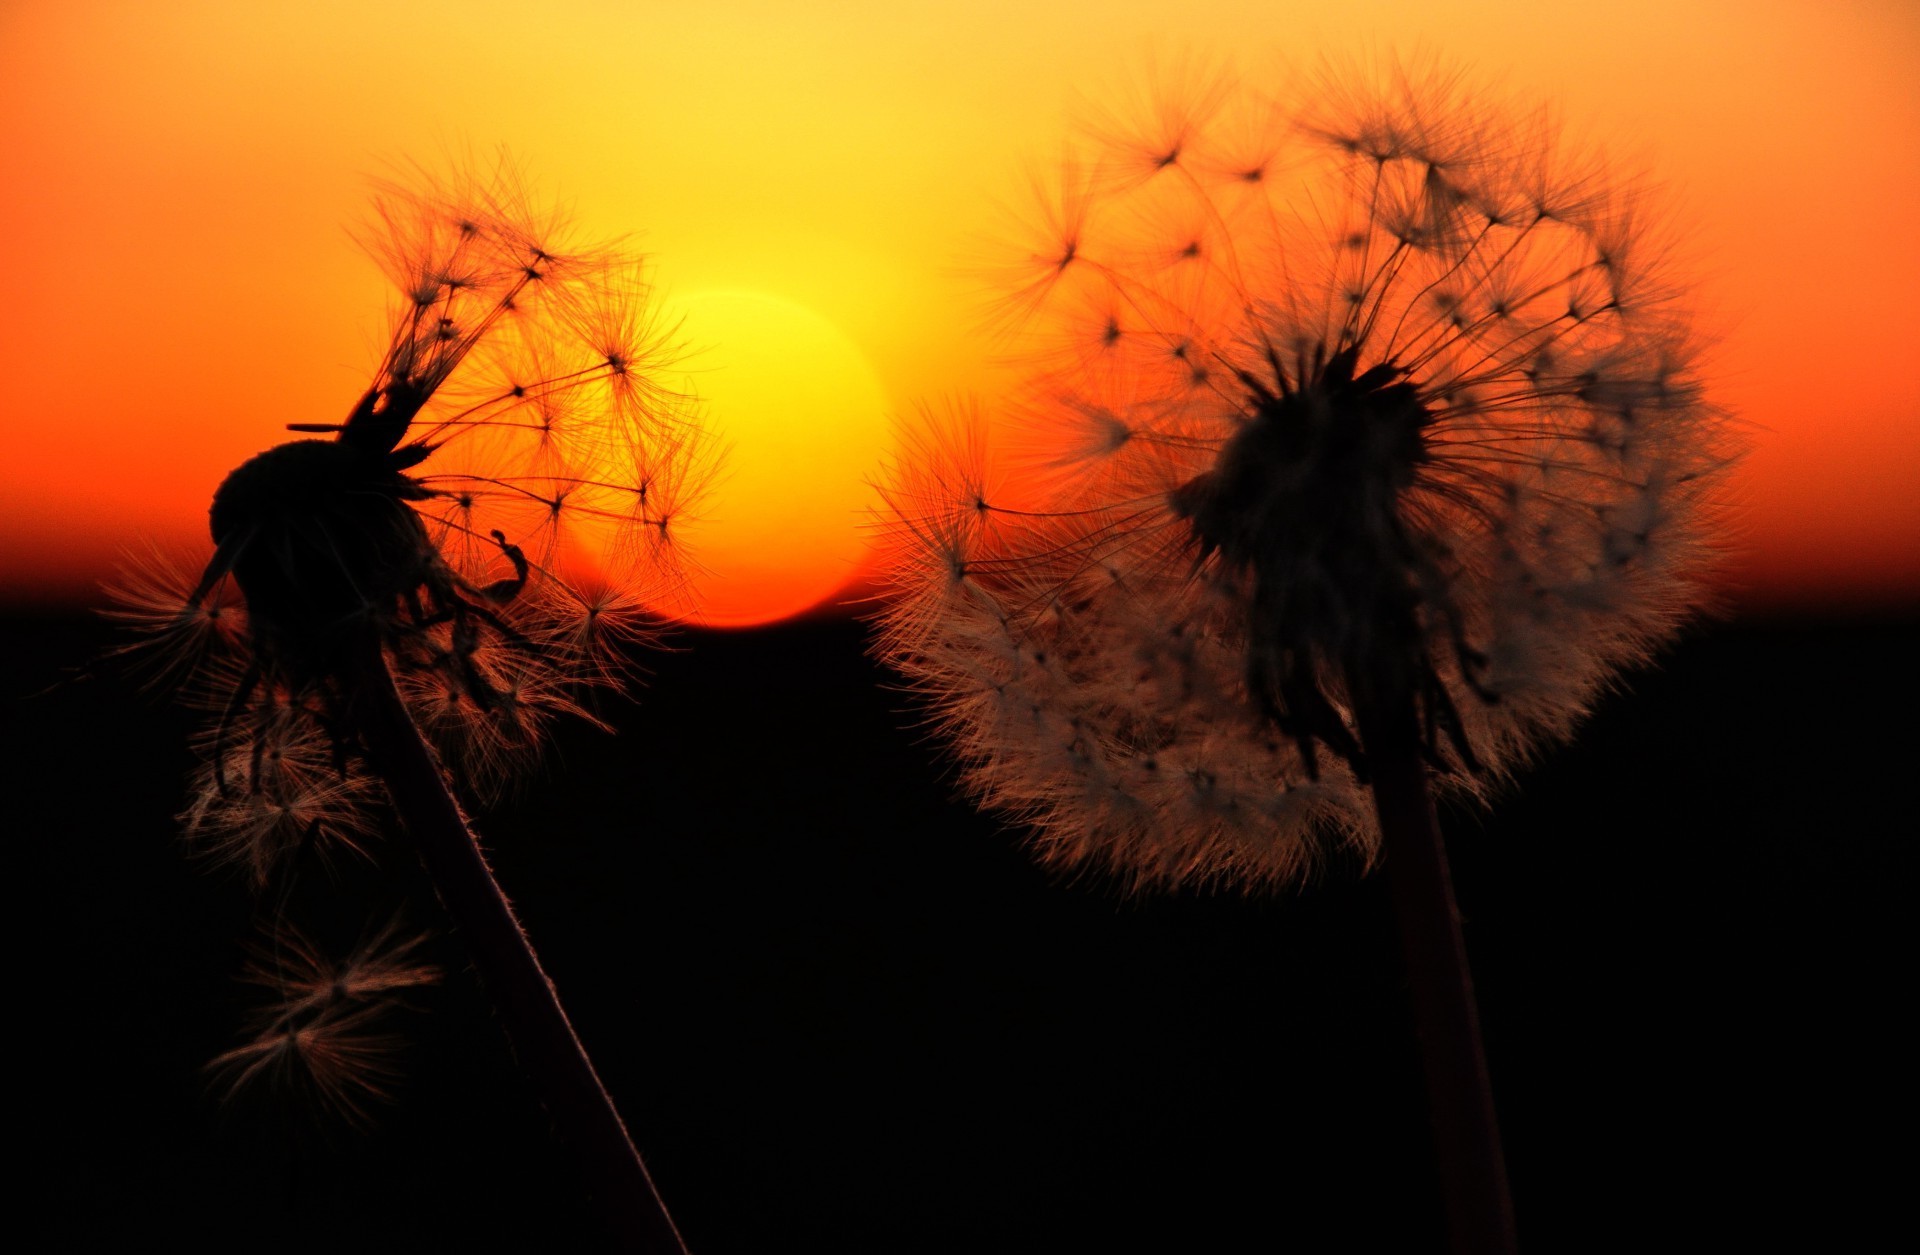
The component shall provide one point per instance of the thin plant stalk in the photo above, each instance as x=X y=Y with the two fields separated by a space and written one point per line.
x=524 y=997
x=1473 y=1173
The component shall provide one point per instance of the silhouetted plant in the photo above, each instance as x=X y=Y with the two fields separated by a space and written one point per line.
x=414 y=598
x=1361 y=444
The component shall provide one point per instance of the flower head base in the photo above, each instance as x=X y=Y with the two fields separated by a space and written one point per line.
x=1369 y=399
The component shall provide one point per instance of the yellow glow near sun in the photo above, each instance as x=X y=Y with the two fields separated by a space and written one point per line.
x=802 y=420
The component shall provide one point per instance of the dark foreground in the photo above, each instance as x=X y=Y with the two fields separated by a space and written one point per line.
x=842 y=1013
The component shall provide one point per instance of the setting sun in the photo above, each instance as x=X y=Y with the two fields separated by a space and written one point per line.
x=802 y=421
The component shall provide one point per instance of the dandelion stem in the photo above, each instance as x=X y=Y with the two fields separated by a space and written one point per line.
x=528 y=1006
x=1473 y=1174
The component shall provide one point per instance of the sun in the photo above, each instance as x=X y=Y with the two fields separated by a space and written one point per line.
x=802 y=420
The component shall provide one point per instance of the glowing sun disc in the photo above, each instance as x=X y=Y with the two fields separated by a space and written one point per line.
x=802 y=419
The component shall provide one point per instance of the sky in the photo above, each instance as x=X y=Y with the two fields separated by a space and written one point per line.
x=180 y=177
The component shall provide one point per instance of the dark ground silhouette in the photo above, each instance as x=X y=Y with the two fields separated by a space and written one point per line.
x=842 y=1012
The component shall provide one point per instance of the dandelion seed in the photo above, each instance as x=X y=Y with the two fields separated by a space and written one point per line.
x=319 y=1036
x=174 y=638
x=1401 y=458
x=300 y=794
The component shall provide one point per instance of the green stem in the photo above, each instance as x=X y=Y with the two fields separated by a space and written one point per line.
x=1473 y=1175
x=537 y=1026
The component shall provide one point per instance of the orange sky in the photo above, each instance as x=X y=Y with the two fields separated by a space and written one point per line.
x=177 y=178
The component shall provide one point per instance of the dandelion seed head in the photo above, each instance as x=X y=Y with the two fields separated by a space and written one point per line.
x=1414 y=411
x=445 y=522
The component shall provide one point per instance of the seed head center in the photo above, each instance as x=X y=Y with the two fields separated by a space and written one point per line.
x=1311 y=483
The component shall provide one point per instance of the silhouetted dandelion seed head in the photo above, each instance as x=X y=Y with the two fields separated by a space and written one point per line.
x=401 y=604
x=494 y=511
x=1375 y=390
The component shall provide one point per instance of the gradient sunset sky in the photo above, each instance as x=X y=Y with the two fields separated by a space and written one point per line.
x=179 y=177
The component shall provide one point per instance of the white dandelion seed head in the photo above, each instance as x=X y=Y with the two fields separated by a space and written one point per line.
x=1378 y=388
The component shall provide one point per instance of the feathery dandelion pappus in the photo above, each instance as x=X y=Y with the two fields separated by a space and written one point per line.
x=320 y=1037
x=1373 y=396
x=419 y=571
